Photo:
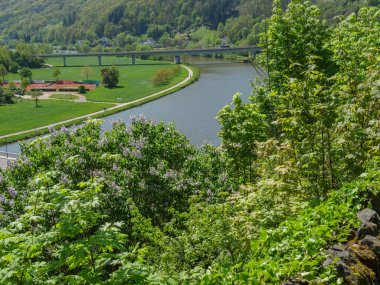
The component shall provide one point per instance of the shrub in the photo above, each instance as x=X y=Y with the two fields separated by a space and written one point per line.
x=110 y=76
x=82 y=89
x=164 y=75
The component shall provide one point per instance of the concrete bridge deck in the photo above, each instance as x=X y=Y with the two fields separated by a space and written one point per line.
x=253 y=50
x=173 y=52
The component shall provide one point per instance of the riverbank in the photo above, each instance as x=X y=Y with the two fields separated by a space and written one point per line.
x=193 y=75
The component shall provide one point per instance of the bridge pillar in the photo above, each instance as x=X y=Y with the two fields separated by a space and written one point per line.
x=100 y=60
x=177 y=59
x=133 y=59
x=64 y=61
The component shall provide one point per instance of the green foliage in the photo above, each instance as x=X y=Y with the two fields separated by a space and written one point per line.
x=86 y=71
x=88 y=21
x=110 y=76
x=140 y=205
x=356 y=53
x=24 y=83
x=164 y=75
x=295 y=39
x=82 y=89
x=87 y=207
x=35 y=96
x=56 y=72
x=6 y=96
x=297 y=246
x=242 y=126
x=3 y=71
x=205 y=37
x=25 y=73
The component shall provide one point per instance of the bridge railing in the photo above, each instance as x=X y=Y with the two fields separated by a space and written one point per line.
x=197 y=51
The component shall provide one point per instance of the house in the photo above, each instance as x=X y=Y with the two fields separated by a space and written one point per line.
x=104 y=41
x=149 y=42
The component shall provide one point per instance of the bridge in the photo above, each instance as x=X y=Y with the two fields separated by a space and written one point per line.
x=6 y=158
x=251 y=50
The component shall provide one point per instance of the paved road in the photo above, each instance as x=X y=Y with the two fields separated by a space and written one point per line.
x=3 y=162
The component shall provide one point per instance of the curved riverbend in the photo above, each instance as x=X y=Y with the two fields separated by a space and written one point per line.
x=111 y=110
x=194 y=108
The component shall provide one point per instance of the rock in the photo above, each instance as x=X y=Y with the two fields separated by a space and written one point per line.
x=369 y=215
x=373 y=243
x=367 y=257
x=367 y=228
x=375 y=201
x=349 y=266
x=341 y=257
x=338 y=253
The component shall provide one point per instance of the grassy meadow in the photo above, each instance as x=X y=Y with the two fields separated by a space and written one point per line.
x=135 y=83
x=68 y=97
x=25 y=115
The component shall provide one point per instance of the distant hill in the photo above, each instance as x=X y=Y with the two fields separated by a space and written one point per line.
x=57 y=21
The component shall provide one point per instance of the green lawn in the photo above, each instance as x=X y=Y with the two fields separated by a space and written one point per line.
x=135 y=80
x=134 y=85
x=24 y=115
x=69 y=97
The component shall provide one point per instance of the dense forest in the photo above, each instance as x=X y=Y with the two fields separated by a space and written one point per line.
x=141 y=205
x=123 y=24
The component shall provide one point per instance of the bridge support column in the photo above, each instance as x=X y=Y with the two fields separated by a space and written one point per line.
x=177 y=59
x=100 y=60
x=64 y=61
x=133 y=59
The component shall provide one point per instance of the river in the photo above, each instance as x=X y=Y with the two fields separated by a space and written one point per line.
x=194 y=108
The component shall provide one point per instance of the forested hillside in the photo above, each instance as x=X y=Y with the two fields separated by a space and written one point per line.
x=140 y=205
x=126 y=22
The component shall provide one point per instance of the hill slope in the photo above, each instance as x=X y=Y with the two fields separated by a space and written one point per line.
x=57 y=21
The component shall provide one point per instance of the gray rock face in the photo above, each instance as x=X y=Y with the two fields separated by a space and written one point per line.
x=367 y=228
x=342 y=258
x=349 y=266
x=338 y=254
x=369 y=215
x=358 y=261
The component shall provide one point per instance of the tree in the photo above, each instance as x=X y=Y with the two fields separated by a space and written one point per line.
x=86 y=71
x=25 y=73
x=355 y=45
x=110 y=76
x=294 y=39
x=56 y=73
x=242 y=126
x=24 y=83
x=6 y=96
x=3 y=71
x=35 y=96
